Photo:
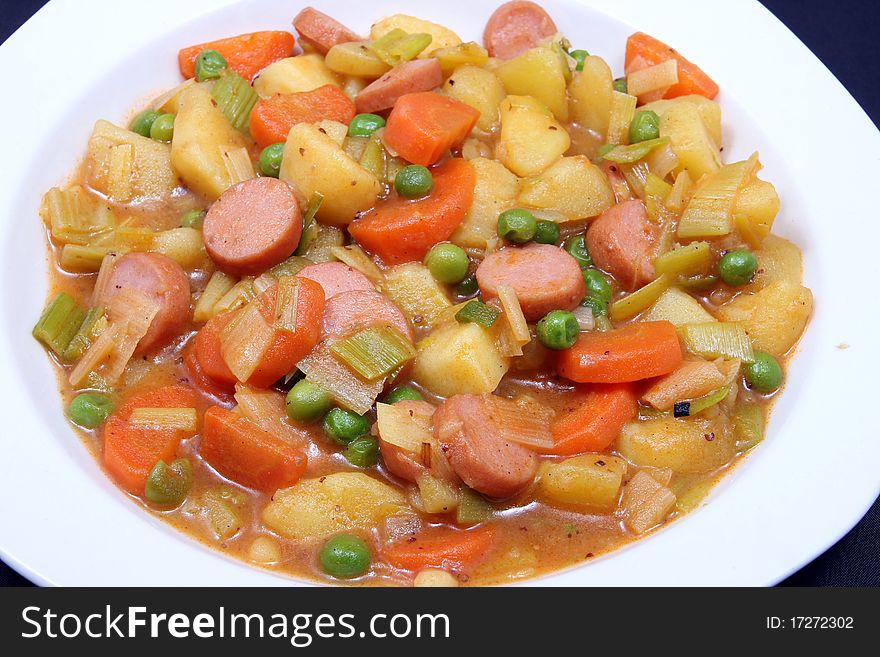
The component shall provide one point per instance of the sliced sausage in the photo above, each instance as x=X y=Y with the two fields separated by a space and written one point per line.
x=622 y=242
x=407 y=78
x=335 y=278
x=543 y=277
x=408 y=465
x=516 y=27
x=252 y=226
x=350 y=312
x=477 y=450
x=320 y=31
x=163 y=281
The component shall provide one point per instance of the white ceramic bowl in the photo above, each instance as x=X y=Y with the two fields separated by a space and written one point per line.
x=816 y=474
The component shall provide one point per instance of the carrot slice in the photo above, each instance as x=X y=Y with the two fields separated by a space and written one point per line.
x=246 y=54
x=241 y=451
x=594 y=421
x=201 y=381
x=131 y=450
x=424 y=125
x=691 y=78
x=401 y=230
x=441 y=548
x=272 y=118
x=206 y=350
x=632 y=353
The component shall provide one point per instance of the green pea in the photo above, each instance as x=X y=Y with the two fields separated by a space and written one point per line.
x=143 y=122
x=598 y=306
x=644 y=126
x=162 y=128
x=343 y=426
x=597 y=284
x=577 y=248
x=270 y=160
x=403 y=393
x=193 y=219
x=447 y=263
x=546 y=232
x=579 y=56
x=468 y=287
x=558 y=329
x=90 y=409
x=209 y=65
x=765 y=374
x=345 y=556
x=363 y=452
x=413 y=181
x=517 y=225
x=364 y=125
x=619 y=85
x=307 y=402
x=737 y=267
x=168 y=485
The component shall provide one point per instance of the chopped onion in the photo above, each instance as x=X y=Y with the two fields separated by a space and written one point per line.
x=403 y=428
x=585 y=318
x=524 y=420
x=245 y=340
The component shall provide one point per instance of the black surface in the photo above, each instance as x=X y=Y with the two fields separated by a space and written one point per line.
x=842 y=36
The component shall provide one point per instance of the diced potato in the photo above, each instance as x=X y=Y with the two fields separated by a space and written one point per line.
x=538 y=73
x=434 y=578
x=479 y=88
x=778 y=260
x=418 y=295
x=334 y=129
x=646 y=503
x=183 y=245
x=465 y=53
x=709 y=110
x=314 y=509
x=686 y=445
x=690 y=140
x=573 y=186
x=441 y=37
x=679 y=307
x=313 y=162
x=265 y=550
x=459 y=358
x=590 y=92
x=531 y=139
x=128 y=167
x=203 y=144
x=437 y=495
x=355 y=59
x=495 y=191
x=755 y=209
x=168 y=102
x=589 y=482
x=293 y=74
x=774 y=317
x=352 y=86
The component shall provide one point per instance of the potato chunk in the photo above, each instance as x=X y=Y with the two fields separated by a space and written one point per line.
x=479 y=88
x=416 y=292
x=538 y=73
x=589 y=482
x=314 y=509
x=691 y=141
x=313 y=162
x=677 y=306
x=573 y=186
x=709 y=111
x=646 y=503
x=495 y=191
x=531 y=139
x=590 y=92
x=778 y=260
x=294 y=74
x=686 y=445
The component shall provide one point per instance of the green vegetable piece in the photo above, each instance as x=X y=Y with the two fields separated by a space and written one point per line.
x=163 y=128
x=364 y=125
x=209 y=65
x=517 y=225
x=270 y=160
x=343 y=426
x=413 y=181
x=363 y=452
x=235 y=98
x=579 y=56
x=737 y=267
x=193 y=219
x=468 y=287
x=764 y=374
x=143 y=122
x=619 y=85
x=546 y=232
x=307 y=402
x=577 y=248
x=598 y=306
x=597 y=285
x=403 y=393
x=478 y=313
x=59 y=323
x=644 y=126
x=86 y=334
x=447 y=263
x=472 y=508
x=345 y=556
x=168 y=485
x=90 y=409
x=558 y=329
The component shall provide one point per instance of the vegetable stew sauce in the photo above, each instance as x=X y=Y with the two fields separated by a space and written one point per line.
x=399 y=309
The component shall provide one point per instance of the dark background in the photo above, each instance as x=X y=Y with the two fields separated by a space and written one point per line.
x=842 y=34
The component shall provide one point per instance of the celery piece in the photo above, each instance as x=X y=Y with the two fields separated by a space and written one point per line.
x=90 y=328
x=374 y=352
x=321 y=245
x=235 y=98
x=77 y=258
x=749 y=425
x=373 y=159
x=642 y=299
x=695 y=258
x=718 y=339
x=397 y=46
x=634 y=152
x=472 y=508
x=478 y=313
x=59 y=323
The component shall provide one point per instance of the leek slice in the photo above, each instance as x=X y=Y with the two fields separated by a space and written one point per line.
x=623 y=109
x=397 y=46
x=78 y=258
x=374 y=352
x=183 y=419
x=694 y=406
x=59 y=323
x=356 y=258
x=642 y=299
x=416 y=292
x=266 y=409
x=478 y=313
x=718 y=339
x=290 y=267
x=285 y=304
x=76 y=217
x=94 y=323
x=235 y=98
x=710 y=210
x=349 y=391
x=634 y=152
x=690 y=260
x=218 y=286
x=749 y=425
x=515 y=330
x=373 y=158
x=245 y=340
x=652 y=78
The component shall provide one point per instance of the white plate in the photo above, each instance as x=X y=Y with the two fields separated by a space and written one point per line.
x=816 y=474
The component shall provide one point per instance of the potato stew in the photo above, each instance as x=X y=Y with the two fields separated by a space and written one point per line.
x=403 y=309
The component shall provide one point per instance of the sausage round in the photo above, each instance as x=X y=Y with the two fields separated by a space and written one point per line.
x=407 y=78
x=543 y=277
x=252 y=226
x=336 y=278
x=163 y=281
x=476 y=448
x=321 y=32
x=622 y=242
x=350 y=312
x=516 y=27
